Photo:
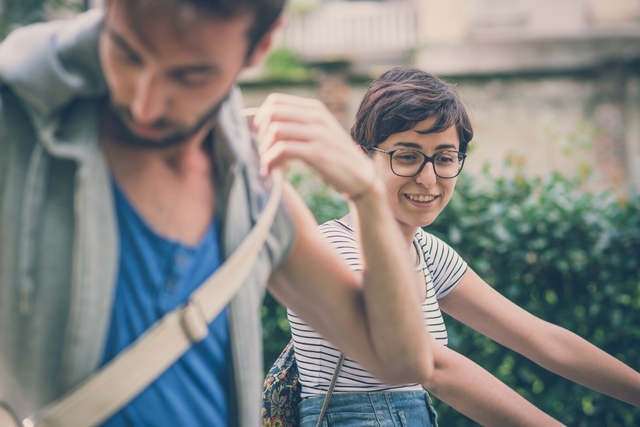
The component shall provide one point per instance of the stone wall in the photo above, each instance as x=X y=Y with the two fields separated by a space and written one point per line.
x=575 y=123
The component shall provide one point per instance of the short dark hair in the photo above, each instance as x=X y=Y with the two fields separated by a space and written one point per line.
x=264 y=12
x=401 y=98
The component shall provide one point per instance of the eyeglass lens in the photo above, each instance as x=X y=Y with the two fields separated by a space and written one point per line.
x=447 y=164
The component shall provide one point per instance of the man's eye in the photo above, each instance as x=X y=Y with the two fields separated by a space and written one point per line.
x=190 y=80
x=129 y=58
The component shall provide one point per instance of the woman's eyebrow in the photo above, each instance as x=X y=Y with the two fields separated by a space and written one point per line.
x=408 y=145
x=415 y=146
x=446 y=146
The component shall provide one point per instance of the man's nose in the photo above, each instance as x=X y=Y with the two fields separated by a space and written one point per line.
x=150 y=99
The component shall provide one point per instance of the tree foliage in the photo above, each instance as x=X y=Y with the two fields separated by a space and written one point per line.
x=15 y=13
x=284 y=65
x=567 y=256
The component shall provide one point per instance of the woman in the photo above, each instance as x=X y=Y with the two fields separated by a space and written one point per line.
x=415 y=129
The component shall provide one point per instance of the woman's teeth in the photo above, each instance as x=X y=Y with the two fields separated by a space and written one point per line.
x=421 y=199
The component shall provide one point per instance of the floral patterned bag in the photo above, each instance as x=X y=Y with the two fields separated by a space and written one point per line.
x=281 y=392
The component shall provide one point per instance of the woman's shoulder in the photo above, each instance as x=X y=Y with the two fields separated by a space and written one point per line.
x=427 y=240
x=338 y=233
x=432 y=246
x=336 y=227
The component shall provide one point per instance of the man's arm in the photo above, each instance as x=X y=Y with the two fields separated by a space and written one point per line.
x=478 y=305
x=373 y=317
x=473 y=391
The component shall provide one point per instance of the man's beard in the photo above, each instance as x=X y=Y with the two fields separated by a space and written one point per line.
x=180 y=134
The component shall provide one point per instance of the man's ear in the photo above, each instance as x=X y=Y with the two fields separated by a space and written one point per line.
x=265 y=43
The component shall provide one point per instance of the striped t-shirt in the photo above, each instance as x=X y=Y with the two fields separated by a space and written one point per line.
x=316 y=357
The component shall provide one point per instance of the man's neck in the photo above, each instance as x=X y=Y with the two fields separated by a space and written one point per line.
x=184 y=157
x=171 y=188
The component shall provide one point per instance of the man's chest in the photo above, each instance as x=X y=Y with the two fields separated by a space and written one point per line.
x=179 y=209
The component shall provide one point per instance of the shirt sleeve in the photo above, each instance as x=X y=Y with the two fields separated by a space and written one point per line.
x=445 y=265
x=342 y=239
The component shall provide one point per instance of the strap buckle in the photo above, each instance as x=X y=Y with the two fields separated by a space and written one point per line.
x=193 y=322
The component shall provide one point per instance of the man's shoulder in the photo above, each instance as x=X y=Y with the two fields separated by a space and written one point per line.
x=236 y=159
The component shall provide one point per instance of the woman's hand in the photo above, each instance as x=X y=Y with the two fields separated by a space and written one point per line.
x=291 y=127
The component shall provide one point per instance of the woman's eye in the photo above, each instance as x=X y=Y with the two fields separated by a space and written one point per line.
x=444 y=158
x=406 y=157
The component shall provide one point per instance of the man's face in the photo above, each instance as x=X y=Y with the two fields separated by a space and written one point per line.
x=167 y=79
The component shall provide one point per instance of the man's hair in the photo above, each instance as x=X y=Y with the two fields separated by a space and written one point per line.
x=401 y=98
x=264 y=12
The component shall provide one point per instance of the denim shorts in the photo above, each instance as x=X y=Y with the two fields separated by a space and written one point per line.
x=380 y=409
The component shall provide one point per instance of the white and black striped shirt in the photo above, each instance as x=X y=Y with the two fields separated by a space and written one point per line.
x=316 y=357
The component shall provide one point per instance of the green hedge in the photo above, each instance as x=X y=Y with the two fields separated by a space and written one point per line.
x=565 y=255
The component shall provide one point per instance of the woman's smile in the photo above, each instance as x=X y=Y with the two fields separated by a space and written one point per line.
x=421 y=199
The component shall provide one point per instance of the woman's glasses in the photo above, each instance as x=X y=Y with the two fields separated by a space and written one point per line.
x=408 y=163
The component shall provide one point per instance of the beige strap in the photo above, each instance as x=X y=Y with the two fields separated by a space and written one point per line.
x=129 y=373
x=8 y=418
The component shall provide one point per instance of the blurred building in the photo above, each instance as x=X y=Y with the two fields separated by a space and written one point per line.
x=551 y=85
x=554 y=85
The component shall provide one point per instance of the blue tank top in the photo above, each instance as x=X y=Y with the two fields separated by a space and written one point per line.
x=155 y=276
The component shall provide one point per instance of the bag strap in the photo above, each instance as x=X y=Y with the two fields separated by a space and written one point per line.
x=327 y=397
x=130 y=372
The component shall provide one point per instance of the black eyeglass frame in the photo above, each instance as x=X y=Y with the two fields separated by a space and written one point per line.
x=427 y=159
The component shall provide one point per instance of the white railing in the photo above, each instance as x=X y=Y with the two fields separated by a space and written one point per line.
x=339 y=28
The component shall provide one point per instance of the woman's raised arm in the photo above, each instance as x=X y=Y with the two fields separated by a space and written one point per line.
x=478 y=305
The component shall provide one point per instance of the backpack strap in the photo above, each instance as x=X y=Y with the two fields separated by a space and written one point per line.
x=327 y=397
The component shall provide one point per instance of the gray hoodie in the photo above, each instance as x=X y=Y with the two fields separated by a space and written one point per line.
x=58 y=233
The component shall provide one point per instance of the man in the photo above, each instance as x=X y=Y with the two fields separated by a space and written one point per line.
x=127 y=175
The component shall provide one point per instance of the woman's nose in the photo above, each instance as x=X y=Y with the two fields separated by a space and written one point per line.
x=427 y=175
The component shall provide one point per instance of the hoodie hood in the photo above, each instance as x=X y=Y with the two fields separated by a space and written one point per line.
x=49 y=64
